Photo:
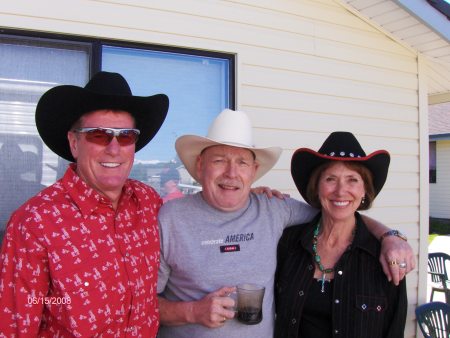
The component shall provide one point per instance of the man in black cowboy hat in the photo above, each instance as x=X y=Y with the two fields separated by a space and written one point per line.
x=81 y=257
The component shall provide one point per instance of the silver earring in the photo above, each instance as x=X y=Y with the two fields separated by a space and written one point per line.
x=363 y=200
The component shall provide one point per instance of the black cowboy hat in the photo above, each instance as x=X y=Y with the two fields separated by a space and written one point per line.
x=339 y=146
x=60 y=107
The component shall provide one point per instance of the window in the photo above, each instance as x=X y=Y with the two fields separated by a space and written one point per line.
x=28 y=69
x=199 y=85
x=195 y=86
x=432 y=161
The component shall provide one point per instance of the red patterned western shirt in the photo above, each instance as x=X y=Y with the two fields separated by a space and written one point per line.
x=72 y=266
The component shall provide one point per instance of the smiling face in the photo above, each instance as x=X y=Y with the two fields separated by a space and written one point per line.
x=340 y=191
x=226 y=174
x=104 y=168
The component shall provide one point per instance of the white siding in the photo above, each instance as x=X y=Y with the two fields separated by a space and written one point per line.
x=440 y=191
x=304 y=69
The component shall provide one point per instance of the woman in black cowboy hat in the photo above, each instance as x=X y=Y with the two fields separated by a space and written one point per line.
x=329 y=281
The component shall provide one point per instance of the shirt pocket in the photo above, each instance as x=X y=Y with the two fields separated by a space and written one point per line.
x=96 y=296
x=371 y=304
x=370 y=314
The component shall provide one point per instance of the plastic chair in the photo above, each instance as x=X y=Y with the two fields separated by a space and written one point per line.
x=433 y=319
x=439 y=274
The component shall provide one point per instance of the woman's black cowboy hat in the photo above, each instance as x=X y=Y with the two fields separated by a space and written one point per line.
x=339 y=146
x=60 y=107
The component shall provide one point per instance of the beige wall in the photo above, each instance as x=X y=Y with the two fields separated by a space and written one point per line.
x=304 y=69
x=440 y=191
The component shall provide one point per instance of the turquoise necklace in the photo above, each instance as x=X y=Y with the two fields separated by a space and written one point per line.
x=317 y=259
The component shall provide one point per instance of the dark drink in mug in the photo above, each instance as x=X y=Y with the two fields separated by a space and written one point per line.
x=249 y=303
x=249 y=315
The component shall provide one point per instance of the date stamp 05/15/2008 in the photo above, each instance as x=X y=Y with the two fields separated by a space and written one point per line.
x=33 y=300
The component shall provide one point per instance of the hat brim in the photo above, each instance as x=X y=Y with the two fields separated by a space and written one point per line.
x=305 y=160
x=60 y=107
x=189 y=147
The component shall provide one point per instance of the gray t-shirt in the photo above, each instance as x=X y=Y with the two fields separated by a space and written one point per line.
x=204 y=249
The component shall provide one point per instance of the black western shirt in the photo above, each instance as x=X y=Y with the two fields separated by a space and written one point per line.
x=364 y=303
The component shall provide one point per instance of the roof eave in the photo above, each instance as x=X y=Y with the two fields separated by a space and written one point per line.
x=428 y=15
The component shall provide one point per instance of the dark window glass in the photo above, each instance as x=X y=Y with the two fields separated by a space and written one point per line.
x=432 y=162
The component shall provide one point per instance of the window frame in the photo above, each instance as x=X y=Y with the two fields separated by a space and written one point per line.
x=96 y=51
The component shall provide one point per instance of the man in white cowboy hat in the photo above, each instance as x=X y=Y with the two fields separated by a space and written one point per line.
x=80 y=258
x=225 y=235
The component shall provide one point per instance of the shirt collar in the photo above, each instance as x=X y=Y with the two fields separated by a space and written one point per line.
x=86 y=198
x=363 y=240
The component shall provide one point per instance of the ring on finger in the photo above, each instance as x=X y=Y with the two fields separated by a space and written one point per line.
x=393 y=262
x=402 y=265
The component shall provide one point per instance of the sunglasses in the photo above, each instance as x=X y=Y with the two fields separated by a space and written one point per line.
x=104 y=136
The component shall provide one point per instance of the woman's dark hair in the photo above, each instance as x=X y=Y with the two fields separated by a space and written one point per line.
x=312 y=189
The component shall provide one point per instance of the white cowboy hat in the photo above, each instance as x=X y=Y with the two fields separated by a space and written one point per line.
x=231 y=128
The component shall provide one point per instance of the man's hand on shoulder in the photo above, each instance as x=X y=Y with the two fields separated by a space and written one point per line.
x=269 y=192
x=397 y=258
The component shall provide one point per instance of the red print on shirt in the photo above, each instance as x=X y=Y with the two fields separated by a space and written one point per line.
x=73 y=266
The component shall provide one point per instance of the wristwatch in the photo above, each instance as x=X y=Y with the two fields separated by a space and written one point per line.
x=393 y=233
